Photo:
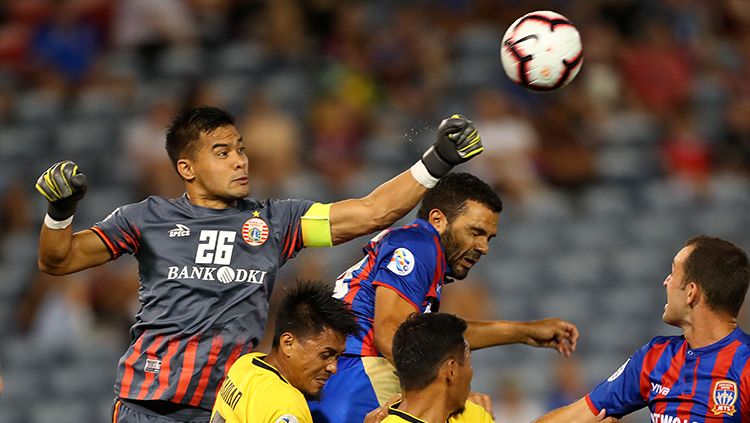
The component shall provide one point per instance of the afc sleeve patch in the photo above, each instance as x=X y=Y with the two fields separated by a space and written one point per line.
x=287 y=418
x=618 y=372
x=402 y=262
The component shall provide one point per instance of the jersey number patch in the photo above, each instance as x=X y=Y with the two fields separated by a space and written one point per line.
x=215 y=247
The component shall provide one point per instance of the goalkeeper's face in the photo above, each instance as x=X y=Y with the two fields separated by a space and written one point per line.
x=220 y=166
x=467 y=237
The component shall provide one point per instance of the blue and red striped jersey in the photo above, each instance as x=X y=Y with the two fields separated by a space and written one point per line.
x=205 y=279
x=680 y=384
x=408 y=260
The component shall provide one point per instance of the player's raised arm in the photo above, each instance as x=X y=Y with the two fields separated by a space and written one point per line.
x=60 y=250
x=457 y=141
x=548 y=333
x=390 y=311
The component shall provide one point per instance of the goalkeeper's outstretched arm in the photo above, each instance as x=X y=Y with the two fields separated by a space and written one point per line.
x=457 y=141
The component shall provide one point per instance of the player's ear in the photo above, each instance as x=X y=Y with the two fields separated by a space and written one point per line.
x=694 y=294
x=449 y=370
x=286 y=343
x=185 y=169
x=437 y=219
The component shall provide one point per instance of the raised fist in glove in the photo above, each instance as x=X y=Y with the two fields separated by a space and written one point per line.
x=63 y=186
x=457 y=141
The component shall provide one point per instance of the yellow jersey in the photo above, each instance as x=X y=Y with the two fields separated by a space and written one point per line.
x=255 y=392
x=472 y=413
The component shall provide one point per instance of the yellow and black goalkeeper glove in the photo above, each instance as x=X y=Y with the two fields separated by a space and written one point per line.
x=457 y=141
x=63 y=186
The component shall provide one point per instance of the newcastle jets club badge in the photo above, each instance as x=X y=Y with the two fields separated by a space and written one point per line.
x=724 y=396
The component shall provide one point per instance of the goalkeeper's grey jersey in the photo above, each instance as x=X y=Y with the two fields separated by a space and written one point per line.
x=205 y=279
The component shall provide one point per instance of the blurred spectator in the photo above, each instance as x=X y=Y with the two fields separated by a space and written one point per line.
x=113 y=296
x=273 y=146
x=336 y=130
x=150 y=27
x=657 y=70
x=686 y=154
x=6 y=105
x=510 y=143
x=733 y=152
x=567 y=384
x=57 y=313
x=63 y=313
x=564 y=160
x=510 y=404
x=347 y=40
x=469 y=298
x=144 y=23
x=22 y=16
x=213 y=20
x=15 y=213
x=148 y=163
x=283 y=31
x=67 y=43
x=603 y=84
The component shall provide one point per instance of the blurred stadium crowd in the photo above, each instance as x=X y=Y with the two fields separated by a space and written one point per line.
x=602 y=181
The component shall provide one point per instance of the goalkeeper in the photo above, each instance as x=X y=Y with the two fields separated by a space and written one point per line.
x=212 y=254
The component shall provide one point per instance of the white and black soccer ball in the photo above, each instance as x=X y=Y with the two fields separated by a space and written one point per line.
x=542 y=51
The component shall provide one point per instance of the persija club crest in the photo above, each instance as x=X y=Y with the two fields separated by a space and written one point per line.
x=724 y=395
x=255 y=231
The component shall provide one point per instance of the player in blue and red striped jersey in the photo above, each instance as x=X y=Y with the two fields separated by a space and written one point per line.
x=701 y=376
x=208 y=260
x=403 y=272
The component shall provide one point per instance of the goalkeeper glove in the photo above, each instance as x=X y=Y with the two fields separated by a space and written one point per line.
x=457 y=141
x=63 y=186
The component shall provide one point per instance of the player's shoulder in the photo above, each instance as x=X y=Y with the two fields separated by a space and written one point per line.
x=271 y=380
x=414 y=234
x=276 y=203
x=281 y=399
x=244 y=363
x=664 y=340
x=472 y=413
x=744 y=348
x=409 y=245
x=155 y=206
x=744 y=338
x=392 y=418
x=658 y=343
x=136 y=209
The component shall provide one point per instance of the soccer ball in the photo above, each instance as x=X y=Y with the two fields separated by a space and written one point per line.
x=542 y=51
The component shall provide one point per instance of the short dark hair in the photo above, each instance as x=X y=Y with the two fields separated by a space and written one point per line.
x=722 y=271
x=423 y=343
x=452 y=191
x=188 y=125
x=308 y=308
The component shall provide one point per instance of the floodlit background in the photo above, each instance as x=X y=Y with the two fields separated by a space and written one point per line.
x=602 y=181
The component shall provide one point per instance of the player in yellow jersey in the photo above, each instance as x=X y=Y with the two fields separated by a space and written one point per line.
x=433 y=361
x=311 y=328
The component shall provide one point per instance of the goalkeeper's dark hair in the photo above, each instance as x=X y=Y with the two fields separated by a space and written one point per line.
x=423 y=343
x=452 y=191
x=186 y=128
x=308 y=308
